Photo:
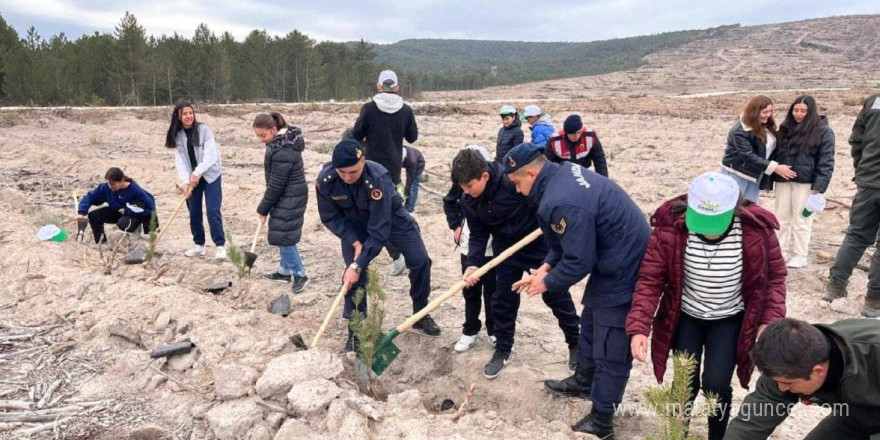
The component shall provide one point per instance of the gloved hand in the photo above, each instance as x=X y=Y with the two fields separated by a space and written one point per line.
x=399 y=188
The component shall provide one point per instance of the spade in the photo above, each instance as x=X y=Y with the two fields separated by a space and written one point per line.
x=251 y=257
x=386 y=351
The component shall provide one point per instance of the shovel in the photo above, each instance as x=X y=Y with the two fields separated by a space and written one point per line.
x=333 y=307
x=138 y=257
x=386 y=351
x=81 y=223
x=251 y=257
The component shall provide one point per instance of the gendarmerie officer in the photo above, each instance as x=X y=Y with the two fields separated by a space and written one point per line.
x=357 y=201
x=592 y=228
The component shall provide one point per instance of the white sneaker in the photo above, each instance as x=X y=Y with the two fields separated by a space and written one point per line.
x=398 y=266
x=221 y=253
x=493 y=340
x=464 y=343
x=797 y=262
x=195 y=251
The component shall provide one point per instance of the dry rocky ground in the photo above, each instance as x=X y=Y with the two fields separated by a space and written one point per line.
x=75 y=341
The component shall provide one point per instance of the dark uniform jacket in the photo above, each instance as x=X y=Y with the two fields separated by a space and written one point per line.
x=814 y=165
x=592 y=227
x=364 y=211
x=858 y=341
x=585 y=152
x=865 y=143
x=505 y=215
x=286 y=193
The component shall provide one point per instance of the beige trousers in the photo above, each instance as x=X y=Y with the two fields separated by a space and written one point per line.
x=790 y=199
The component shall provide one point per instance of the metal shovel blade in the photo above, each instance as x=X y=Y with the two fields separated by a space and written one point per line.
x=249 y=259
x=385 y=352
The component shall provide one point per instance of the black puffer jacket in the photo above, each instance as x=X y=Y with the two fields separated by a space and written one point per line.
x=813 y=166
x=286 y=190
x=508 y=137
x=746 y=154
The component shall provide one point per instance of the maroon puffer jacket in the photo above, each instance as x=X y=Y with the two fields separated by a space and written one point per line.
x=661 y=278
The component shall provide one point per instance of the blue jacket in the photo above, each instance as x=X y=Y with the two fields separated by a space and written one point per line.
x=542 y=130
x=119 y=200
x=364 y=211
x=592 y=227
x=505 y=215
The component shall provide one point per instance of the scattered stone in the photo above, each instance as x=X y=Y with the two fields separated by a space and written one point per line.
x=295 y=429
x=260 y=432
x=149 y=433
x=275 y=419
x=155 y=381
x=311 y=397
x=232 y=381
x=409 y=399
x=233 y=420
x=343 y=422
x=363 y=405
x=292 y=368
x=846 y=306
x=183 y=362
x=162 y=321
x=119 y=327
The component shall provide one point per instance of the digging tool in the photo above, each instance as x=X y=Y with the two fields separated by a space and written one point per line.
x=81 y=223
x=386 y=351
x=333 y=307
x=139 y=255
x=251 y=257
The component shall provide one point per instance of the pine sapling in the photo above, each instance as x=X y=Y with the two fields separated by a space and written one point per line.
x=368 y=329
x=673 y=405
x=236 y=256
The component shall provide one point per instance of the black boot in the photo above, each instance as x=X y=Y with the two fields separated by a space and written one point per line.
x=597 y=423
x=577 y=385
x=352 y=343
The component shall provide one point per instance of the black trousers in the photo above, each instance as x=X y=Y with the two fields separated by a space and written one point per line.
x=505 y=306
x=99 y=217
x=719 y=338
x=480 y=294
x=844 y=428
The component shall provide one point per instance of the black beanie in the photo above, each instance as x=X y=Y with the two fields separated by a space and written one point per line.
x=572 y=124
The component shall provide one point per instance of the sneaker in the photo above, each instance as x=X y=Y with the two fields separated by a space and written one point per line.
x=195 y=251
x=221 y=253
x=397 y=267
x=464 y=343
x=427 y=326
x=493 y=340
x=299 y=283
x=277 y=277
x=833 y=291
x=500 y=359
x=572 y=360
x=797 y=262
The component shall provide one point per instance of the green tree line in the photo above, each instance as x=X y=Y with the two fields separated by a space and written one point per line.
x=128 y=67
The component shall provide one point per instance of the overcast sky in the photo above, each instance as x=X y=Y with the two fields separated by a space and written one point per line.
x=385 y=21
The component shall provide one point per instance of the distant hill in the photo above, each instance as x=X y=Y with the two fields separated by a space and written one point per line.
x=435 y=64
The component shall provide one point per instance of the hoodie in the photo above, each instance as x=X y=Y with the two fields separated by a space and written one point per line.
x=383 y=124
x=286 y=193
x=542 y=130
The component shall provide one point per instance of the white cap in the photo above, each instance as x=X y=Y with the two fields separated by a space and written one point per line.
x=711 y=200
x=483 y=151
x=532 y=110
x=507 y=110
x=385 y=76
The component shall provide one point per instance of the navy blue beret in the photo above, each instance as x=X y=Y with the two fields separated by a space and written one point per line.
x=521 y=155
x=347 y=153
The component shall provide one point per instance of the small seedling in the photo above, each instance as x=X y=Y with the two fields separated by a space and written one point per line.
x=673 y=403
x=236 y=257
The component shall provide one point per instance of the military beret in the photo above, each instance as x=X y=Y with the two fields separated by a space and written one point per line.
x=347 y=153
x=521 y=155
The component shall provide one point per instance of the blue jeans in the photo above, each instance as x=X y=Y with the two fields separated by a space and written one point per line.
x=749 y=190
x=213 y=195
x=291 y=262
x=413 y=195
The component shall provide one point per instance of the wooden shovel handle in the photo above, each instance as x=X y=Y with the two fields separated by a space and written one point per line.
x=257 y=234
x=333 y=307
x=461 y=284
x=168 y=223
